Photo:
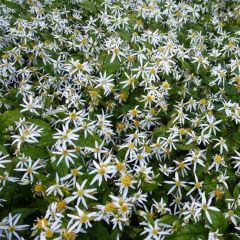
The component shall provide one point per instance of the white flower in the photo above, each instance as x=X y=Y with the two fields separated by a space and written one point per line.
x=157 y=231
x=81 y=219
x=3 y=160
x=211 y=126
x=205 y=206
x=105 y=82
x=218 y=160
x=125 y=182
x=27 y=134
x=81 y=194
x=56 y=188
x=201 y=61
x=31 y=104
x=66 y=136
x=102 y=171
x=30 y=169
x=177 y=184
x=11 y=228
x=78 y=68
x=116 y=52
x=237 y=161
x=66 y=154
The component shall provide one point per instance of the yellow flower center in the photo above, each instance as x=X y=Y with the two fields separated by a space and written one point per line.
x=165 y=85
x=26 y=132
x=178 y=183
x=80 y=192
x=182 y=131
x=110 y=207
x=93 y=93
x=218 y=193
x=116 y=50
x=155 y=231
x=131 y=146
x=30 y=170
x=79 y=66
x=74 y=172
x=181 y=165
x=134 y=112
x=84 y=218
x=84 y=41
x=124 y=208
x=120 y=166
x=198 y=185
x=41 y=223
x=131 y=58
x=120 y=126
x=122 y=96
x=204 y=206
x=147 y=149
x=131 y=80
x=73 y=116
x=126 y=180
x=49 y=233
x=38 y=187
x=65 y=152
x=69 y=235
x=218 y=158
x=61 y=205
x=149 y=98
x=11 y=229
x=102 y=170
x=203 y=101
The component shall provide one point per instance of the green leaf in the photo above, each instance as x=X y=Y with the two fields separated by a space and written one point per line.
x=100 y=232
x=60 y=168
x=8 y=118
x=133 y=232
x=89 y=141
x=218 y=221
x=3 y=150
x=34 y=152
x=148 y=187
x=24 y=211
x=159 y=132
x=125 y=35
x=89 y=6
x=111 y=67
x=189 y=232
x=168 y=219
x=185 y=146
x=236 y=191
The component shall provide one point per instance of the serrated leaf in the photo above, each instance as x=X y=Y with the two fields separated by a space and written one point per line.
x=185 y=146
x=35 y=152
x=24 y=211
x=189 y=232
x=236 y=191
x=159 y=132
x=89 y=141
x=148 y=187
x=168 y=219
x=89 y=6
x=8 y=118
x=218 y=221
x=60 y=168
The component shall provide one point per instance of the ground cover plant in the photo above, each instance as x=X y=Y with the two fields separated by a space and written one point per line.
x=119 y=119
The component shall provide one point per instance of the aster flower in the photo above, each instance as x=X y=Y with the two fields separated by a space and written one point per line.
x=81 y=194
x=205 y=206
x=11 y=228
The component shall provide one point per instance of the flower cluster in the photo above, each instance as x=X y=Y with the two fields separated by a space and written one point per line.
x=119 y=119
